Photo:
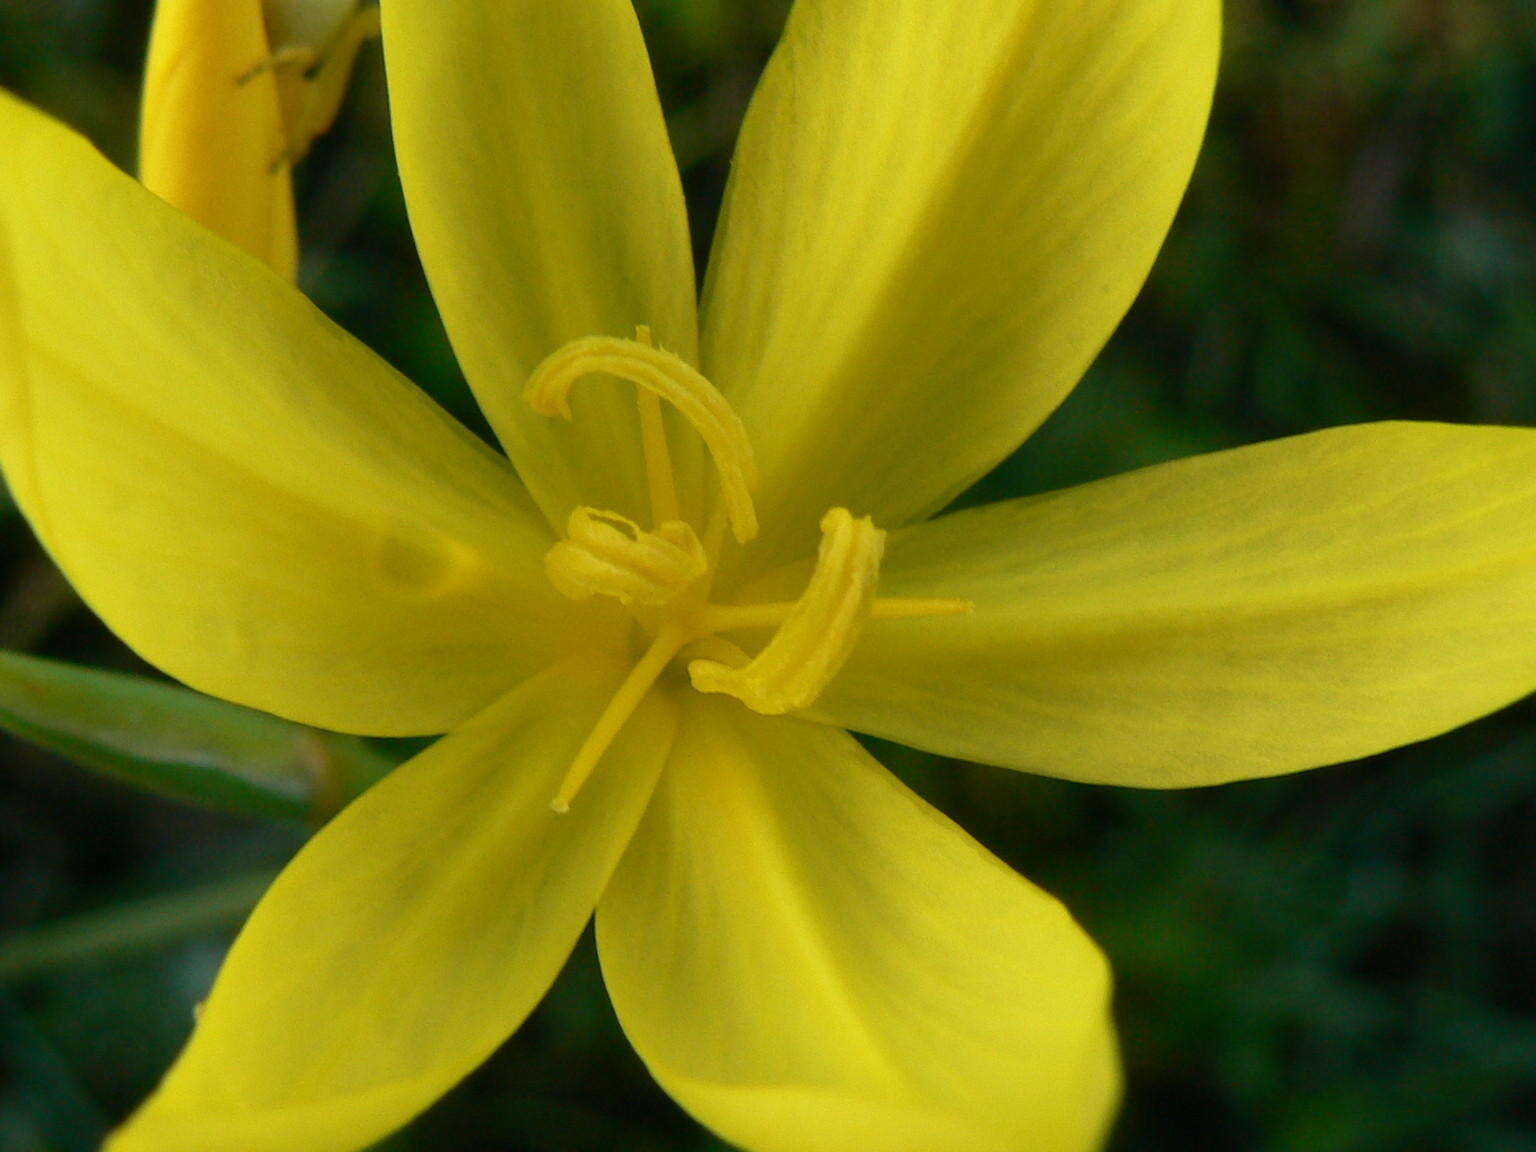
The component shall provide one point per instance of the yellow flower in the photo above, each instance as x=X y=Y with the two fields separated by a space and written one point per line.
x=938 y=214
x=235 y=91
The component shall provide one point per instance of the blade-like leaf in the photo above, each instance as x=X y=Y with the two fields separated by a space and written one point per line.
x=138 y=926
x=182 y=744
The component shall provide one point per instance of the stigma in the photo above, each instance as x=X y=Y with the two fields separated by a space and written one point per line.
x=664 y=575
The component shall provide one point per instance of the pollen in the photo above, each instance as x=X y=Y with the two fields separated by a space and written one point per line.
x=663 y=574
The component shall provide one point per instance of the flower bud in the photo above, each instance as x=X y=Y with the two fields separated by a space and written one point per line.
x=235 y=93
x=212 y=139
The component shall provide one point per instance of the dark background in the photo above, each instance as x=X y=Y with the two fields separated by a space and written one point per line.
x=1340 y=961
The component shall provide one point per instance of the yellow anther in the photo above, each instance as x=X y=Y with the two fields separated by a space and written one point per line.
x=678 y=383
x=818 y=635
x=606 y=554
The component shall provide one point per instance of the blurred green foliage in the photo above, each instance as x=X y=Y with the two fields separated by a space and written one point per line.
x=180 y=743
x=1343 y=961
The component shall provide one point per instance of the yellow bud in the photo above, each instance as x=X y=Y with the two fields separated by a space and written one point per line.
x=235 y=93
x=212 y=138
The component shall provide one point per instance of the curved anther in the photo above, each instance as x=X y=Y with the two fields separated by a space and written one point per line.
x=674 y=380
x=818 y=635
x=606 y=554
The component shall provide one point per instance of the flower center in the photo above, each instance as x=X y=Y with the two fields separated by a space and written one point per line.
x=664 y=575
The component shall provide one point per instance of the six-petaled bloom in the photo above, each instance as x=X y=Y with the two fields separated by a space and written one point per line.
x=645 y=643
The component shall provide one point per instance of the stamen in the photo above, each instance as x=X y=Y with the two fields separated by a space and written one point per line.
x=667 y=644
x=817 y=635
x=674 y=380
x=732 y=617
x=608 y=555
x=659 y=477
x=716 y=648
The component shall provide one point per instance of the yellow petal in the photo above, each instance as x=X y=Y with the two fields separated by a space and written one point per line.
x=811 y=959
x=547 y=207
x=412 y=935
x=211 y=135
x=937 y=215
x=246 y=495
x=1242 y=614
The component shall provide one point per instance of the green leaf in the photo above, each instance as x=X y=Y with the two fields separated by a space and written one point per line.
x=182 y=744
